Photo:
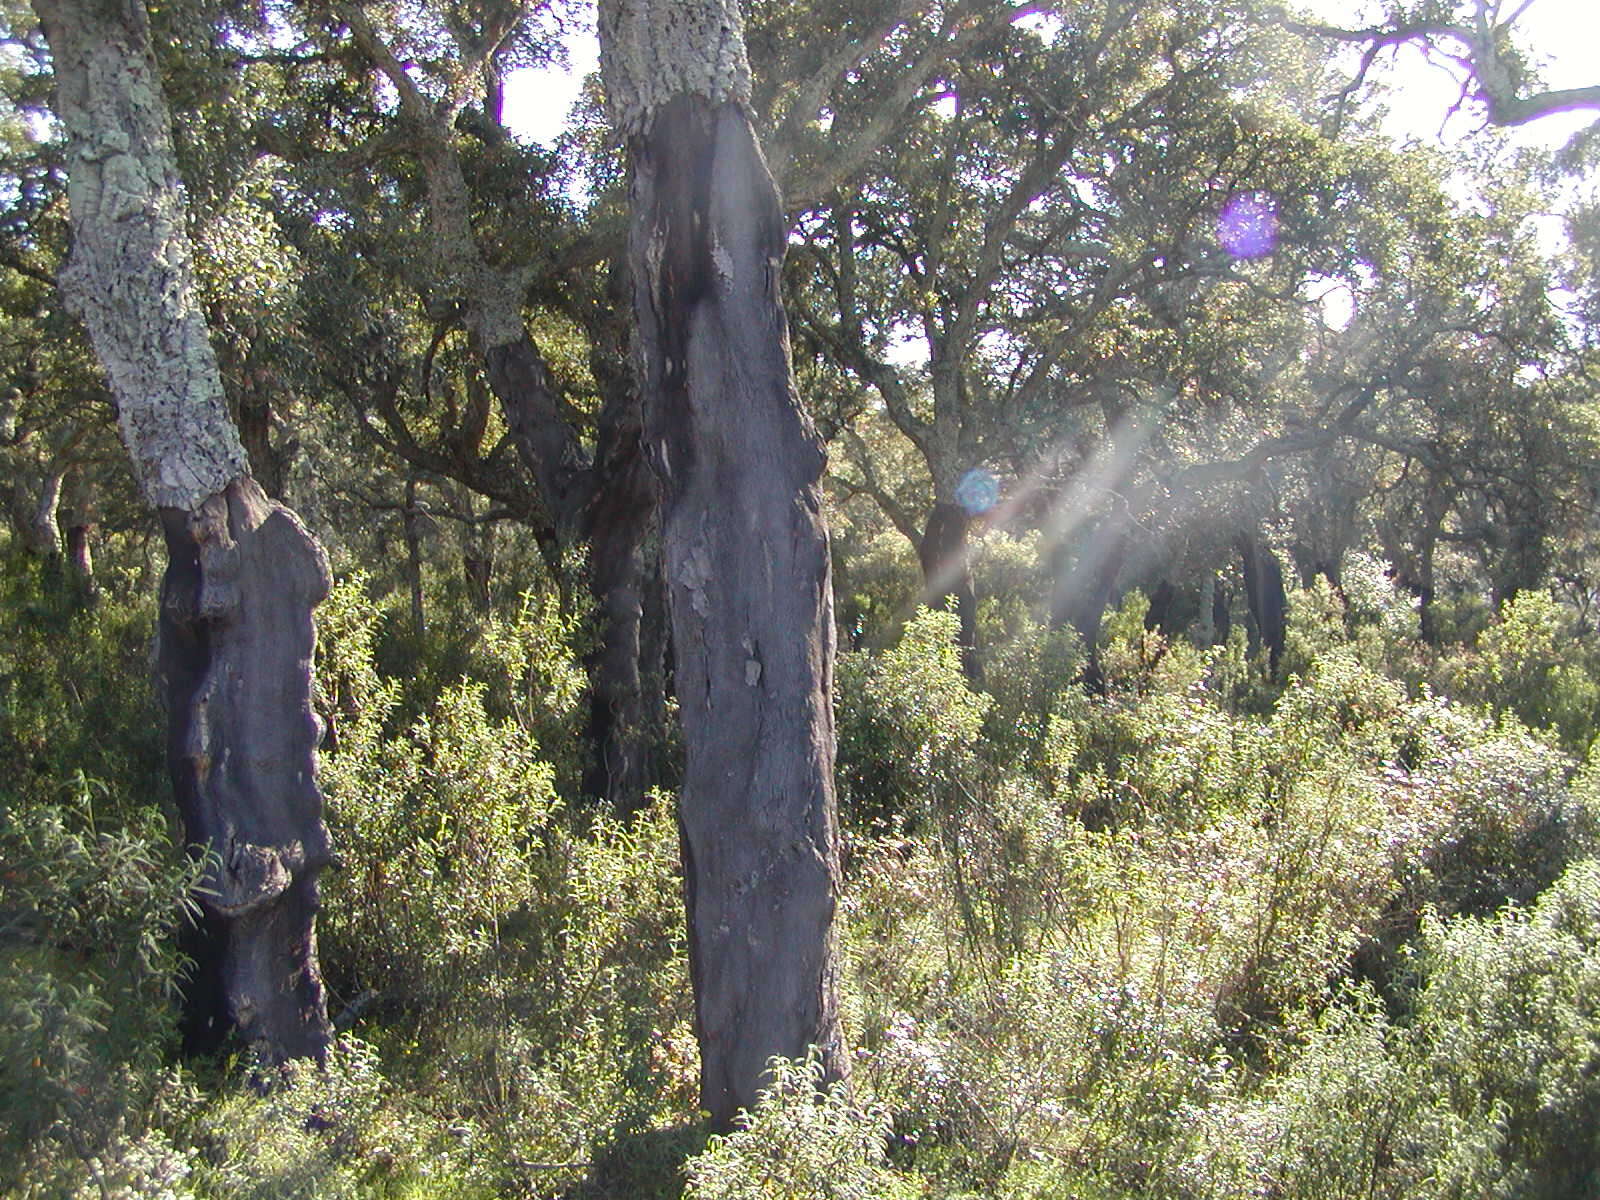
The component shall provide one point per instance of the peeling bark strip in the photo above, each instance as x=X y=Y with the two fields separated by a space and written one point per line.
x=243 y=575
x=130 y=274
x=745 y=547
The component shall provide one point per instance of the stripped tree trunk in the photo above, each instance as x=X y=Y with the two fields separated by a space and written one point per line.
x=1263 y=591
x=745 y=547
x=947 y=576
x=243 y=574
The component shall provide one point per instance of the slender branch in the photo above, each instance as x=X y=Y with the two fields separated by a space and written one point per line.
x=412 y=102
x=1480 y=57
x=871 y=487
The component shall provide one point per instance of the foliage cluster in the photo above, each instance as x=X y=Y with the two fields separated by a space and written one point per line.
x=1207 y=934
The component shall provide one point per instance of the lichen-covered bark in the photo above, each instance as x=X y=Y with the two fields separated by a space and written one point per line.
x=243 y=574
x=744 y=544
x=131 y=272
x=653 y=51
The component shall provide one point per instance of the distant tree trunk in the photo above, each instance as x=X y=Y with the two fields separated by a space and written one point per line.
x=947 y=576
x=746 y=550
x=1082 y=593
x=44 y=528
x=80 y=557
x=1205 y=628
x=1163 y=599
x=1263 y=588
x=607 y=502
x=477 y=554
x=269 y=464
x=78 y=519
x=243 y=574
x=1221 y=614
x=1413 y=565
x=623 y=728
x=1423 y=585
x=411 y=532
x=627 y=703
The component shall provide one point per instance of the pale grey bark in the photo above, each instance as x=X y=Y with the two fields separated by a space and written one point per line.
x=654 y=50
x=130 y=274
x=41 y=531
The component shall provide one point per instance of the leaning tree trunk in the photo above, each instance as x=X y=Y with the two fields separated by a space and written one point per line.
x=745 y=546
x=243 y=574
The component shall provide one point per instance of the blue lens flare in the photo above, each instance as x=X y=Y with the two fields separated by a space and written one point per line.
x=978 y=491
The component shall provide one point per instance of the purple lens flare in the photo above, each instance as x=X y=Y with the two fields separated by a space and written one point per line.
x=1248 y=225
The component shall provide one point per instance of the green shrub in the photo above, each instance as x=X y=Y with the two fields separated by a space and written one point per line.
x=1510 y=1010
x=1490 y=1089
x=88 y=965
x=909 y=724
x=337 y=1131
x=1357 y=1113
x=1528 y=662
x=804 y=1141
x=76 y=695
x=439 y=834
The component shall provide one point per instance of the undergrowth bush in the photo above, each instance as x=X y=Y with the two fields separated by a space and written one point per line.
x=1211 y=934
x=1529 y=663
x=805 y=1140
x=88 y=963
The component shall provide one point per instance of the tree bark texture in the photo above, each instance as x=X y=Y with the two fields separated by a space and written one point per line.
x=38 y=515
x=131 y=273
x=243 y=574
x=744 y=545
x=947 y=576
x=623 y=723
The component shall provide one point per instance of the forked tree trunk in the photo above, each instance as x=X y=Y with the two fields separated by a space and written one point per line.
x=745 y=547
x=243 y=574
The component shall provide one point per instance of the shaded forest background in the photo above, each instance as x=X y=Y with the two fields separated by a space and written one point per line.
x=1213 y=504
